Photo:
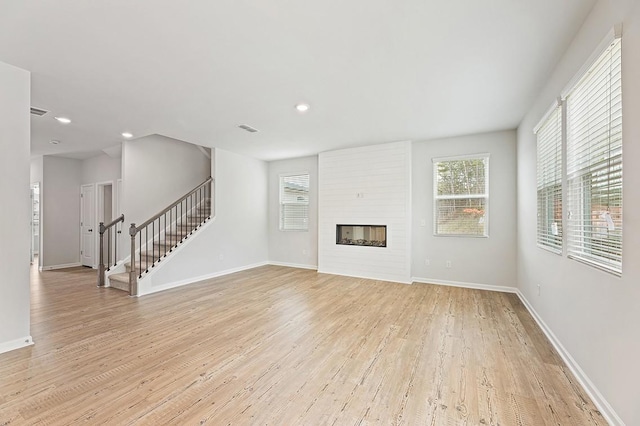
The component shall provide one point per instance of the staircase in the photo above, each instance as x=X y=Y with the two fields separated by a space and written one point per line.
x=155 y=240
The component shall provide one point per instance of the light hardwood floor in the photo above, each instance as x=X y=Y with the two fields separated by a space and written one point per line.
x=284 y=346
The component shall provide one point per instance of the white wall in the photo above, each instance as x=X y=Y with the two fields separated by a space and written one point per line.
x=593 y=314
x=36 y=169
x=293 y=248
x=15 y=213
x=60 y=212
x=382 y=174
x=487 y=261
x=156 y=172
x=101 y=168
x=235 y=239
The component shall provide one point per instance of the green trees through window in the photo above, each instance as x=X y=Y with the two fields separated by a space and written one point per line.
x=461 y=193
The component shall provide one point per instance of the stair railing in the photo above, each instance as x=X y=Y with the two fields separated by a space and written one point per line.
x=165 y=230
x=111 y=230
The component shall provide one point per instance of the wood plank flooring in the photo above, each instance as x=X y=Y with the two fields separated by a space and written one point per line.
x=282 y=346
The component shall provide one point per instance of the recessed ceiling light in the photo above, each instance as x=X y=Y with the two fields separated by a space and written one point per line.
x=54 y=142
x=127 y=135
x=302 y=107
x=63 y=120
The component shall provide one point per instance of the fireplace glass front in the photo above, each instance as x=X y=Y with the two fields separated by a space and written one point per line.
x=362 y=235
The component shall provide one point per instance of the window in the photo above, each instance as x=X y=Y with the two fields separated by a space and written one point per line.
x=294 y=202
x=549 y=178
x=594 y=164
x=461 y=195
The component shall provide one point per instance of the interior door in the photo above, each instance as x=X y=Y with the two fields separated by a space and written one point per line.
x=87 y=225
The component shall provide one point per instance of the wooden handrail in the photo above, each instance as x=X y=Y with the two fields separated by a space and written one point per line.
x=178 y=215
x=102 y=228
x=111 y=224
x=172 y=205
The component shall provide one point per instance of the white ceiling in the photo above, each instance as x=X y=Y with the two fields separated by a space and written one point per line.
x=372 y=70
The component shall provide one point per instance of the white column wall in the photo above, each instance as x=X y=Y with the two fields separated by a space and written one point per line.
x=366 y=186
x=37 y=169
x=60 y=212
x=15 y=212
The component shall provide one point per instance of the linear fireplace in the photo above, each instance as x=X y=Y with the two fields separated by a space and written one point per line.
x=362 y=235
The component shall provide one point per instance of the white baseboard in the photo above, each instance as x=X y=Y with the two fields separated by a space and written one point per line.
x=368 y=277
x=293 y=265
x=62 y=266
x=601 y=403
x=603 y=406
x=201 y=278
x=15 y=344
x=462 y=284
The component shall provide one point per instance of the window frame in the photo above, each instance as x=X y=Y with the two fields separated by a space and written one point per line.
x=593 y=160
x=479 y=156
x=281 y=204
x=545 y=238
x=583 y=170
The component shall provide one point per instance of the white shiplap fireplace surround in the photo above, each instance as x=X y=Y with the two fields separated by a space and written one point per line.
x=362 y=186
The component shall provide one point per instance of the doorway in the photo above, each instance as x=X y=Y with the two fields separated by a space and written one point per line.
x=35 y=221
x=87 y=225
x=106 y=213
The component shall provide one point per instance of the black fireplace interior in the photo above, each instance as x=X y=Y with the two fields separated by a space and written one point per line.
x=362 y=235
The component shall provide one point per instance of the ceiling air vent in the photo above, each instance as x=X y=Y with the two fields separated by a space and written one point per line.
x=248 y=128
x=37 y=111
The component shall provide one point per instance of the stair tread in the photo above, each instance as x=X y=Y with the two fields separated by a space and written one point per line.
x=177 y=235
x=119 y=281
x=154 y=253
x=188 y=224
x=122 y=277
x=144 y=264
x=170 y=239
x=128 y=266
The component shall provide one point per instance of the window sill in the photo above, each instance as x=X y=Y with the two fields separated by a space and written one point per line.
x=461 y=236
x=594 y=264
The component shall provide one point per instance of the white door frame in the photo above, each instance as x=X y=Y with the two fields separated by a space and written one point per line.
x=100 y=212
x=100 y=199
x=33 y=200
x=88 y=230
x=117 y=205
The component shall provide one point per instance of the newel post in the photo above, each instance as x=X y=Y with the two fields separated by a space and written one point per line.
x=101 y=264
x=133 y=279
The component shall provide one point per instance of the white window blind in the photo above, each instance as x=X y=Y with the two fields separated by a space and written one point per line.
x=549 y=179
x=461 y=195
x=594 y=164
x=294 y=202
